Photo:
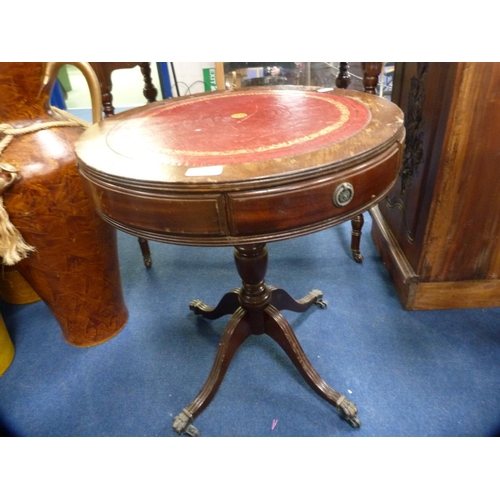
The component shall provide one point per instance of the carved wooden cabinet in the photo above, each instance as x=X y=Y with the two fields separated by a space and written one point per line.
x=438 y=230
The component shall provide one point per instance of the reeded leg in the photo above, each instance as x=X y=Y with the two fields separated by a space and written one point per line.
x=236 y=332
x=278 y=328
x=282 y=300
x=357 y=225
x=227 y=305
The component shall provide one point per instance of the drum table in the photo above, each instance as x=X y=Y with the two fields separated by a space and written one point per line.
x=241 y=169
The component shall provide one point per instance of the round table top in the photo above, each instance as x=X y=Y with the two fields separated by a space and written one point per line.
x=253 y=165
x=237 y=136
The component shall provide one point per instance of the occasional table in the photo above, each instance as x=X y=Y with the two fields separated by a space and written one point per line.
x=242 y=169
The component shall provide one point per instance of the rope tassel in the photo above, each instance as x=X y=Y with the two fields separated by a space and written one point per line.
x=13 y=248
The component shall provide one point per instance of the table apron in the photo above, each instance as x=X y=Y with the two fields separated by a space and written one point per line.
x=225 y=217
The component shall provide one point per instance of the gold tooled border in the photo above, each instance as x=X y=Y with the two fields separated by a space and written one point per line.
x=344 y=117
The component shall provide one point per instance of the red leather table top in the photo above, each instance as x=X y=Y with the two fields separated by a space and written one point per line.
x=239 y=127
x=224 y=139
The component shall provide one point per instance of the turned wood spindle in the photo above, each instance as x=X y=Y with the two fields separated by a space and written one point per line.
x=150 y=92
x=343 y=79
x=371 y=73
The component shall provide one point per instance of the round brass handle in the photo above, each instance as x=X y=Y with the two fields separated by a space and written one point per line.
x=343 y=194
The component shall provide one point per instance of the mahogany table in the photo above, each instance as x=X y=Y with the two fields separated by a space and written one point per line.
x=241 y=169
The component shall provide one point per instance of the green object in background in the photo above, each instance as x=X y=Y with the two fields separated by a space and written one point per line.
x=209 y=79
x=64 y=79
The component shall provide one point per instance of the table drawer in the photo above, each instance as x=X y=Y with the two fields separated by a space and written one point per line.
x=310 y=202
x=175 y=213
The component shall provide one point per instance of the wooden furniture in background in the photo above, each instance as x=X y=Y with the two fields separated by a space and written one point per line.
x=103 y=71
x=438 y=230
x=371 y=73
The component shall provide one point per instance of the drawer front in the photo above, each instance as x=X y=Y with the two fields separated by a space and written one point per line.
x=311 y=202
x=181 y=214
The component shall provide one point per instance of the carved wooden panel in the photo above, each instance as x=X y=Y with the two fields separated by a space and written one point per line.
x=439 y=224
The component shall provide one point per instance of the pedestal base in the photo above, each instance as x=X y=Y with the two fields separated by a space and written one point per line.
x=255 y=310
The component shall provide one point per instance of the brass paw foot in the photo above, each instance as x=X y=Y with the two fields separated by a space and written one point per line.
x=357 y=256
x=348 y=411
x=183 y=424
x=319 y=299
x=197 y=306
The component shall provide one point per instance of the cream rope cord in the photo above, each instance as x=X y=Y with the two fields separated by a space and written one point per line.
x=13 y=248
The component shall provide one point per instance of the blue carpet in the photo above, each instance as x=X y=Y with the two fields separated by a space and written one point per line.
x=426 y=373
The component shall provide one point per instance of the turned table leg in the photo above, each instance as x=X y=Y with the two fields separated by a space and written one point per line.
x=357 y=224
x=255 y=310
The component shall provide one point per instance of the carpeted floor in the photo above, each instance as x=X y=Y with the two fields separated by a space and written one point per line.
x=428 y=373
